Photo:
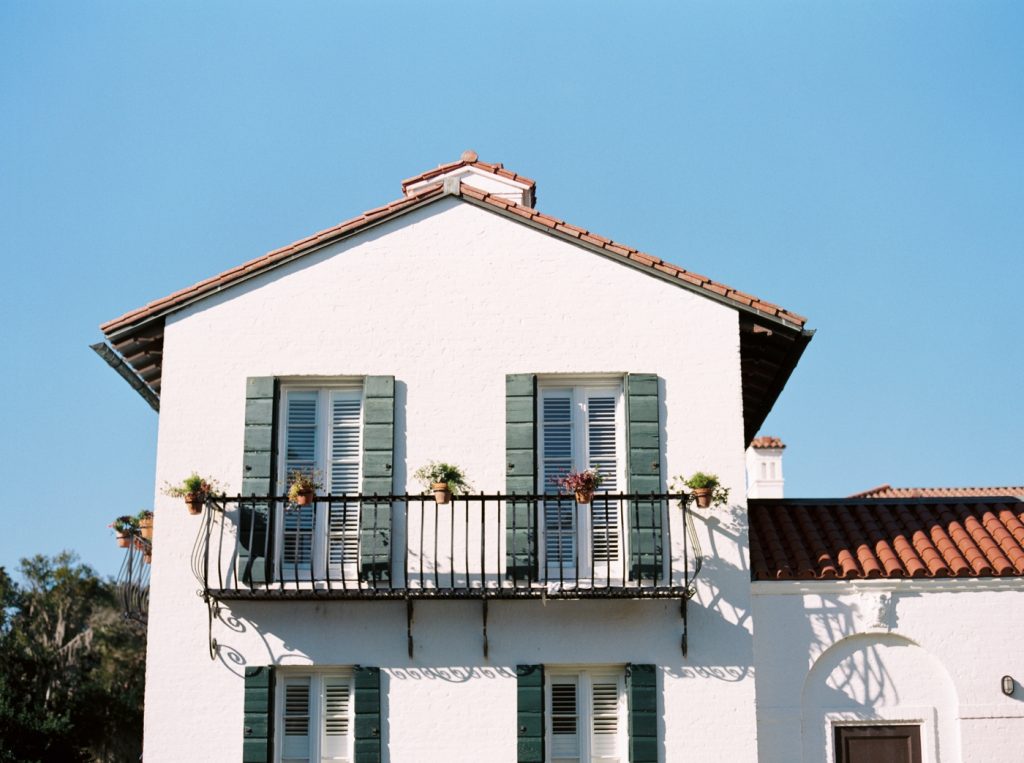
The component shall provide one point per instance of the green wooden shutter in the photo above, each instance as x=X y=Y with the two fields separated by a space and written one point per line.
x=258 y=730
x=530 y=713
x=644 y=432
x=368 y=723
x=378 y=460
x=642 y=697
x=520 y=476
x=255 y=540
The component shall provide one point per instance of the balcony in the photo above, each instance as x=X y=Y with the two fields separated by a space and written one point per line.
x=133 y=578
x=407 y=547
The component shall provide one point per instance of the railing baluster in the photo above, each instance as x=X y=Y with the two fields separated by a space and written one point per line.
x=451 y=545
x=419 y=559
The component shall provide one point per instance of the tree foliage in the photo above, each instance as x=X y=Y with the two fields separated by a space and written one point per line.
x=72 y=669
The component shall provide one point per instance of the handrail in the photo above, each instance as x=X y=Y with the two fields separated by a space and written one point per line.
x=485 y=545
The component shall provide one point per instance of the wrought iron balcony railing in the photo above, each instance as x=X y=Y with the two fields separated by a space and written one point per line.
x=133 y=578
x=475 y=547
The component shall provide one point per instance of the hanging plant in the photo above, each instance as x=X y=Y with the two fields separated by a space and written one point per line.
x=124 y=527
x=444 y=480
x=195 y=490
x=302 y=486
x=145 y=523
x=583 y=484
x=705 y=489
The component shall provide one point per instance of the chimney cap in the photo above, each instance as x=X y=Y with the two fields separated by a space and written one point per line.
x=767 y=441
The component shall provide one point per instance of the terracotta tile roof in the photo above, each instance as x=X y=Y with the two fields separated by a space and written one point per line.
x=849 y=539
x=436 y=190
x=888 y=491
x=767 y=441
x=470 y=159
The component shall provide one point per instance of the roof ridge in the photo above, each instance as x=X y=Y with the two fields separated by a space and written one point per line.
x=512 y=209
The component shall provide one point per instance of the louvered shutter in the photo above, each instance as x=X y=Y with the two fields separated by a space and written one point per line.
x=342 y=478
x=378 y=458
x=645 y=520
x=302 y=418
x=557 y=428
x=367 y=715
x=565 y=720
x=337 y=721
x=520 y=477
x=642 y=698
x=603 y=454
x=296 y=724
x=530 y=713
x=258 y=708
x=255 y=541
x=605 y=718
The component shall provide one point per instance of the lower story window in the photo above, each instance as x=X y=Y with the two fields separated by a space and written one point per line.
x=314 y=717
x=586 y=711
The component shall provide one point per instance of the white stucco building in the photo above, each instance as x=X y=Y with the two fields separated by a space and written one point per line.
x=378 y=625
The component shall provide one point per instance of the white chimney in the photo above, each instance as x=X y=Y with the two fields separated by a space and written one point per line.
x=489 y=178
x=764 y=468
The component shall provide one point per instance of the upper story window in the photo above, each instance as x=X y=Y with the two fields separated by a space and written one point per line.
x=321 y=433
x=587 y=716
x=581 y=427
x=315 y=717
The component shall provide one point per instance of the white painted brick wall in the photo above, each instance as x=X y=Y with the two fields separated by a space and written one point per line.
x=449 y=299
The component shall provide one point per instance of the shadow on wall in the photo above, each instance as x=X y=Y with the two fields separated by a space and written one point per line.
x=719 y=615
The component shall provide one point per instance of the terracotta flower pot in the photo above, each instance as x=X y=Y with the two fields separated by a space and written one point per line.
x=703 y=496
x=122 y=539
x=304 y=498
x=147 y=557
x=442 y=494
x=584 y=496
x=195 y=502
x=146 y=528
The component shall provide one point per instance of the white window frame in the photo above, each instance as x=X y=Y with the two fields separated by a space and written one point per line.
x=318 y=570
x=580 y=387
x=317 y=679
x=585 y=679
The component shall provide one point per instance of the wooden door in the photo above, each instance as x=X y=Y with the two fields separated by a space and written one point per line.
x=878 y=744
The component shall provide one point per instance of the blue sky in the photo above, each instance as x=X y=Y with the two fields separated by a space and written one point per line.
x=861 y=163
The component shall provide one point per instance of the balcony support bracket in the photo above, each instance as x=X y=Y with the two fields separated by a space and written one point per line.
x=486 y=645
x=682 y=611
x=408 y=624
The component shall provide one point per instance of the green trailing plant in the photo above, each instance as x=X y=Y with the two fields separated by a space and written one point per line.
x=705 y=488
x=192 y=485
x=437 y=472
x=303 y=483
x=125 y=524
x=144 y=514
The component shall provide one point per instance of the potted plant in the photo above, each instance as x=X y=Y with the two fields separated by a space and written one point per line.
x=445 y=480
x=145 y=524
x=302 y=486
x=123 y=527
x=706 y=489
x=583 y=484
x=194 y=489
